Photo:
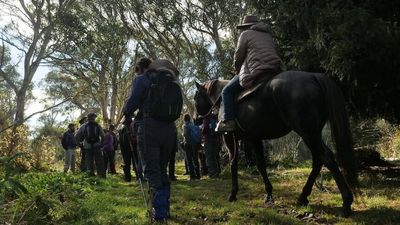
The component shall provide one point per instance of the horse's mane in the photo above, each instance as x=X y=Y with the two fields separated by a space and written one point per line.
x=210 y=85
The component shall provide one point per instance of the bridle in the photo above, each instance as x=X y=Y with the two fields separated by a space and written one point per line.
x=208 y=86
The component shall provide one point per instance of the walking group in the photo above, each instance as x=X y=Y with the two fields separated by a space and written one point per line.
x=148 y=136
x=97 y=147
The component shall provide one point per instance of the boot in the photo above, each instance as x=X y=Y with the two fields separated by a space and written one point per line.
x=159 y=205
x=127 y=174
x=167 y=190
x=227 y=126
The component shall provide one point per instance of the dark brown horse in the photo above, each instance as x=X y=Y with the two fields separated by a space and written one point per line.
x=298 y=101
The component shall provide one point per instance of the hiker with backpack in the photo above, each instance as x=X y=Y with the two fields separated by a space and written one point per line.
x=212 y=144
x=192 y=136
x=158 y=96
x=141 y=68
x=129 y=152
x=108 y=149
x=92 y=135
x=69 y=144
x=83 y=166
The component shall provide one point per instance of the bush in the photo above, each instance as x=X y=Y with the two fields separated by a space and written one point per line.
x=51 y=198
x=378 y=134
x=13 y=141
x=392 y=150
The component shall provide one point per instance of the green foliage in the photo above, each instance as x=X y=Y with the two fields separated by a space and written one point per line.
x=46 y=143
x=354 y=41
x=7 y=93
x=9 y=183
x=56 y=198
x=51 y=198
x=13 y=141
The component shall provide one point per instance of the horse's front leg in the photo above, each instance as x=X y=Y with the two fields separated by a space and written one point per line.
x=262 y=168
x=232 y=145
x=235 y=183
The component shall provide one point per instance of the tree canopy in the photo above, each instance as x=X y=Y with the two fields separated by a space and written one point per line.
x=92 y=46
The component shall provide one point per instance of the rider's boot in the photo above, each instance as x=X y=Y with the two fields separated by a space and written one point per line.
x=226 y=126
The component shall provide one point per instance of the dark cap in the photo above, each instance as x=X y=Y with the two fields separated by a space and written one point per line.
x=91 y=115
x=142 y=64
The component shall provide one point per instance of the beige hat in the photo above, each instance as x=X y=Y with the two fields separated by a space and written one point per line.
x=248 y=20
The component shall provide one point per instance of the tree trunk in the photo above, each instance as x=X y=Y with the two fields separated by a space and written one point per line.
x=20 y=109
x=103 y=92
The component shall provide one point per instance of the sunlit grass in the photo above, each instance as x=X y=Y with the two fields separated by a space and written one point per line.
x=113 y=201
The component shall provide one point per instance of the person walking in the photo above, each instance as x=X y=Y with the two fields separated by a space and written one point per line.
x=158 y=96
x=128 y=145
x=212 y=144
x=108 y=149
x=192 y=137
x=92 y=135
x=69 y=144
x=83 y=165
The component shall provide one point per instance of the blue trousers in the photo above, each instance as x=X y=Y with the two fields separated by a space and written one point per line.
x=228 y=98
x=156 y=141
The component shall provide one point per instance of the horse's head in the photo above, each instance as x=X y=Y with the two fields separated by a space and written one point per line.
x=202 y=101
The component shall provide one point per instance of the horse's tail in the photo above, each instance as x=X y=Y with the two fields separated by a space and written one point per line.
x=340 y=127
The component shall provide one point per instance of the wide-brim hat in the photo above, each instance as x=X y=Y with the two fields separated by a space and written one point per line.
x=248 y=21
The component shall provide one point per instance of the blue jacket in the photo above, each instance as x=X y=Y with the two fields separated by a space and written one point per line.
x=68 y=140
x=139 y=93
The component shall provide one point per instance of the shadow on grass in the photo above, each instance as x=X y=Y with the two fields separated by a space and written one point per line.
x=378 y=215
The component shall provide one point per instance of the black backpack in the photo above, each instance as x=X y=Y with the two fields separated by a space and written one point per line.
x=92 y=133
x=165 y=97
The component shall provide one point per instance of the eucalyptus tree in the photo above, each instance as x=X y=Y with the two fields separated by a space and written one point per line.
x=198 y=36
x=96 y=57
x=7 y=96
x=30 y=31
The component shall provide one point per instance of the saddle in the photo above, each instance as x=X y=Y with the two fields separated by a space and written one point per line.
x=244 y=94
x=258 y=83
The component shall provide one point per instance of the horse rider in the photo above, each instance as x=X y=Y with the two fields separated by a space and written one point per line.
x=255 y=57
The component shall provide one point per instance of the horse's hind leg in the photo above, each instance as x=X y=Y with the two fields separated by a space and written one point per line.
x=328 y=159
x=261 y=166
x=316 y=168
x=231 y=144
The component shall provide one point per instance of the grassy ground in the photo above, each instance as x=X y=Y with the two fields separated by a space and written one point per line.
x=113 y=201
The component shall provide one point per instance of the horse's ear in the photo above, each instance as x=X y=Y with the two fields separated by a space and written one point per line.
x=198 y=86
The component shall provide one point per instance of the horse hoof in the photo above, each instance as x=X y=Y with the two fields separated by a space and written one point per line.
x=232 y=198
x=268 y=200
x=346 y=210
x=302 y=201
